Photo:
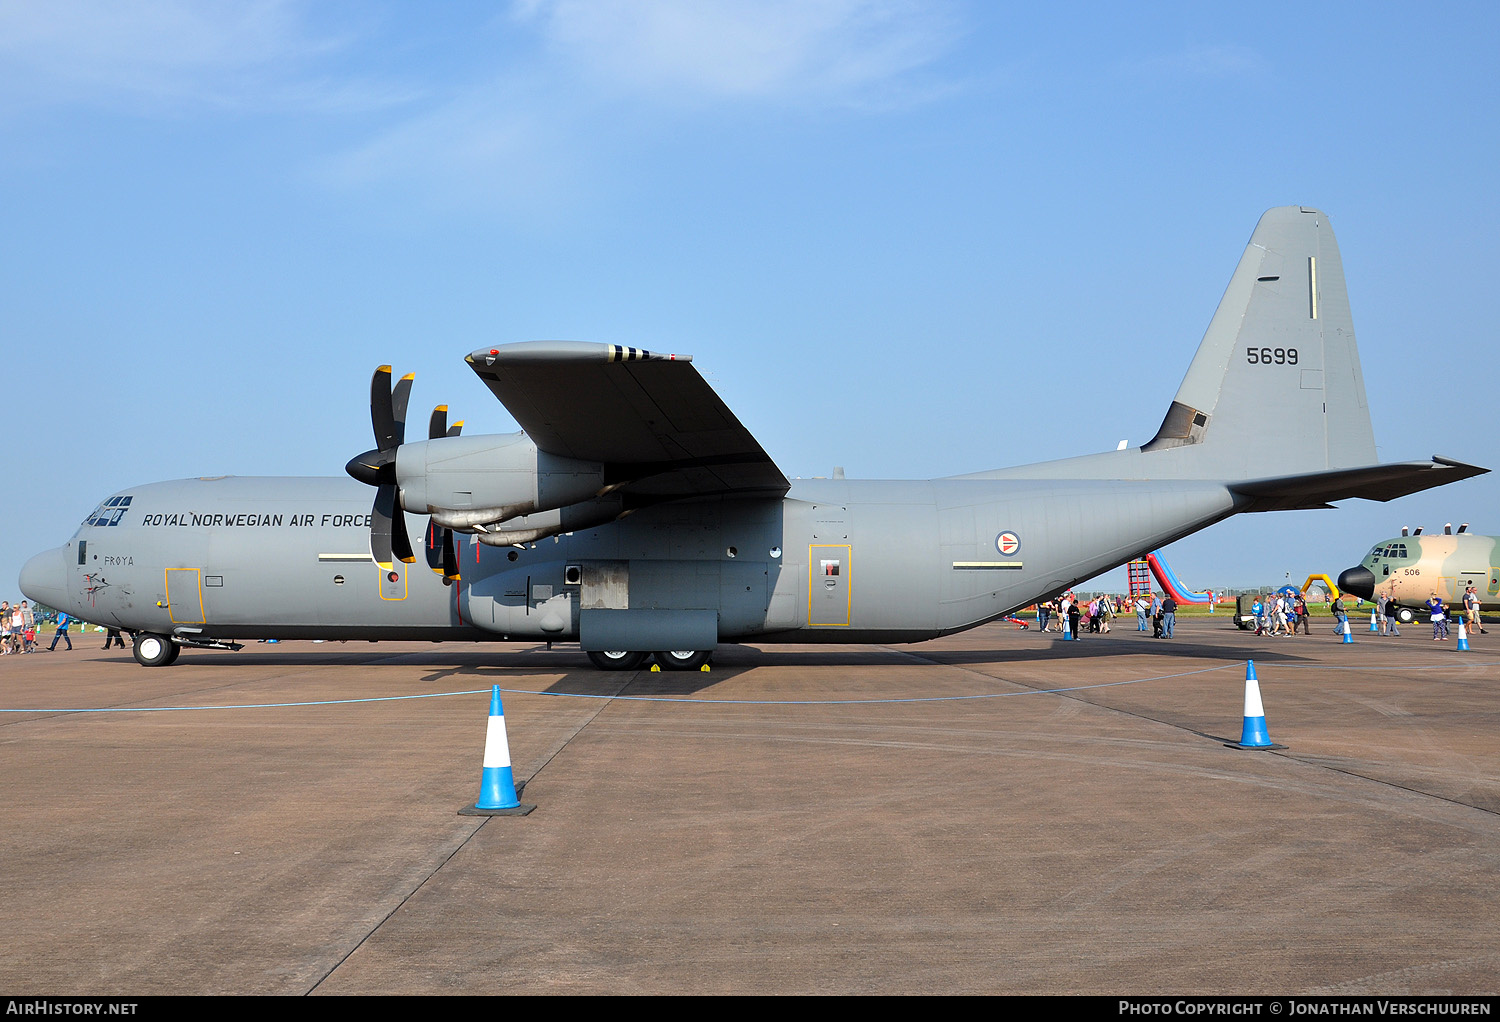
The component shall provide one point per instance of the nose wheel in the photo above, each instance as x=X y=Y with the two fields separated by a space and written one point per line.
x=151 y=650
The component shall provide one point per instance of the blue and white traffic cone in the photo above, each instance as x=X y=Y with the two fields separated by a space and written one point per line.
x=1463 y=637
x=1067 y=632
x=497 y=784
x=1348 y=632
x=1374 y=626
x=1254 y=735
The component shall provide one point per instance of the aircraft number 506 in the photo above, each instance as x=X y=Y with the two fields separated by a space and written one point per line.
x=1271 y=356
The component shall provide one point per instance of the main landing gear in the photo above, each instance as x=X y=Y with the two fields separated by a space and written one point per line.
x=153 y=650
x=670 y=660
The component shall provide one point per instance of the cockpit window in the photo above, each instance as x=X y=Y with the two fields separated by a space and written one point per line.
x=110 y=512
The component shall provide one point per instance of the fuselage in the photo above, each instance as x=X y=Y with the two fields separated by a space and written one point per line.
x=833 y=561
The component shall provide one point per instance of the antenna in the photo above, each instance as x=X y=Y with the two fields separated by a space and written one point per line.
x=1418 y=532
x=1405 y=531
x=1447 y=528
x=1463 y=528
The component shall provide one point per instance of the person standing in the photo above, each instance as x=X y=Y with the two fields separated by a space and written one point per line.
x=113 y=635
x=62 y=633
x=1439 y=616
x=1340 y=617
x=1168 y=616
x=27 y=628
x=1142 y=611
x=1380 y=604
x=1471 y=610
x=1390 y=618
x=1073 y=614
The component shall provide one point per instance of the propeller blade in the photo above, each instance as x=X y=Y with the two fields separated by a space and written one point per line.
x=450 y=558
x=382 y=415
x=400 y=395
x=388 y=539
x=381 y=518
x=434 y=546
x=437 y=426
x=400 y=541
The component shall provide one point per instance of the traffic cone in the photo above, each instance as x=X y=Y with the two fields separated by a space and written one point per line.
x=1254 y=735
x=497 y=784
x=1374 y=626
x=1067 y=632
x=1348 y=632
x=1463 y=637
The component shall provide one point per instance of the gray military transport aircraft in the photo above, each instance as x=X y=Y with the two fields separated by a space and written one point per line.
x=635 y=515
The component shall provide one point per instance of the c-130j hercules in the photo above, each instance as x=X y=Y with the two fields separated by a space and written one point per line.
x=672 y=531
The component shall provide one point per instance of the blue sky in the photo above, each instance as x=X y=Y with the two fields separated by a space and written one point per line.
x=911 y=239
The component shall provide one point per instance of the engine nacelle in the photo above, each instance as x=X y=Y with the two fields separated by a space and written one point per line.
x=530 y=528
x=466 y=482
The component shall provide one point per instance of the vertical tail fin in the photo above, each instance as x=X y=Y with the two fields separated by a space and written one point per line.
x=1275 y=388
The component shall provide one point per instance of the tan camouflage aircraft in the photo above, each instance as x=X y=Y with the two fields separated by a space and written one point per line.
x=1410 y=569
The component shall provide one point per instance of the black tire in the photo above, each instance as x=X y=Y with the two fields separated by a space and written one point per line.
x=616 y=659
x=683 y=659
x=1405 y=615
x=152 y=650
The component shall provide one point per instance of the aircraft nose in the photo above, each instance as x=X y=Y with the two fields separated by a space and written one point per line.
x=1358 y=580
x=44 y=579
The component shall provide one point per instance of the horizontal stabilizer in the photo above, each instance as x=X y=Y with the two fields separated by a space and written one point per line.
x=1372 y=482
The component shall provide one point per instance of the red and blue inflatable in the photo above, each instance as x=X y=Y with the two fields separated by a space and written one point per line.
x=1170 y=583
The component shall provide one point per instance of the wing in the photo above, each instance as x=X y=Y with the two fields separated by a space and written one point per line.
x=651 y=419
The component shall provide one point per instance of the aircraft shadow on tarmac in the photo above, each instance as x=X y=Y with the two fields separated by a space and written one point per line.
x=475 y=666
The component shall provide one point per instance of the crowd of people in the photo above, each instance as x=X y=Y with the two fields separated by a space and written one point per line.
x=19 y=624
x=1284 y=613
x=1281 y=614
x=1069 y=613
x=17 y=628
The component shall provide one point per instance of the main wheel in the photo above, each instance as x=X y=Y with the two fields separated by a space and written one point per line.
x=616 y=659
x=1405 y=615
x=682 y=659
x=153 y=650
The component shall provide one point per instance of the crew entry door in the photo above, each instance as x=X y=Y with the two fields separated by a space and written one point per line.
x=185 y=596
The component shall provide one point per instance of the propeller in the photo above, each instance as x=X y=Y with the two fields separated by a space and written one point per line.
x=442 y=557
x=377 y=467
